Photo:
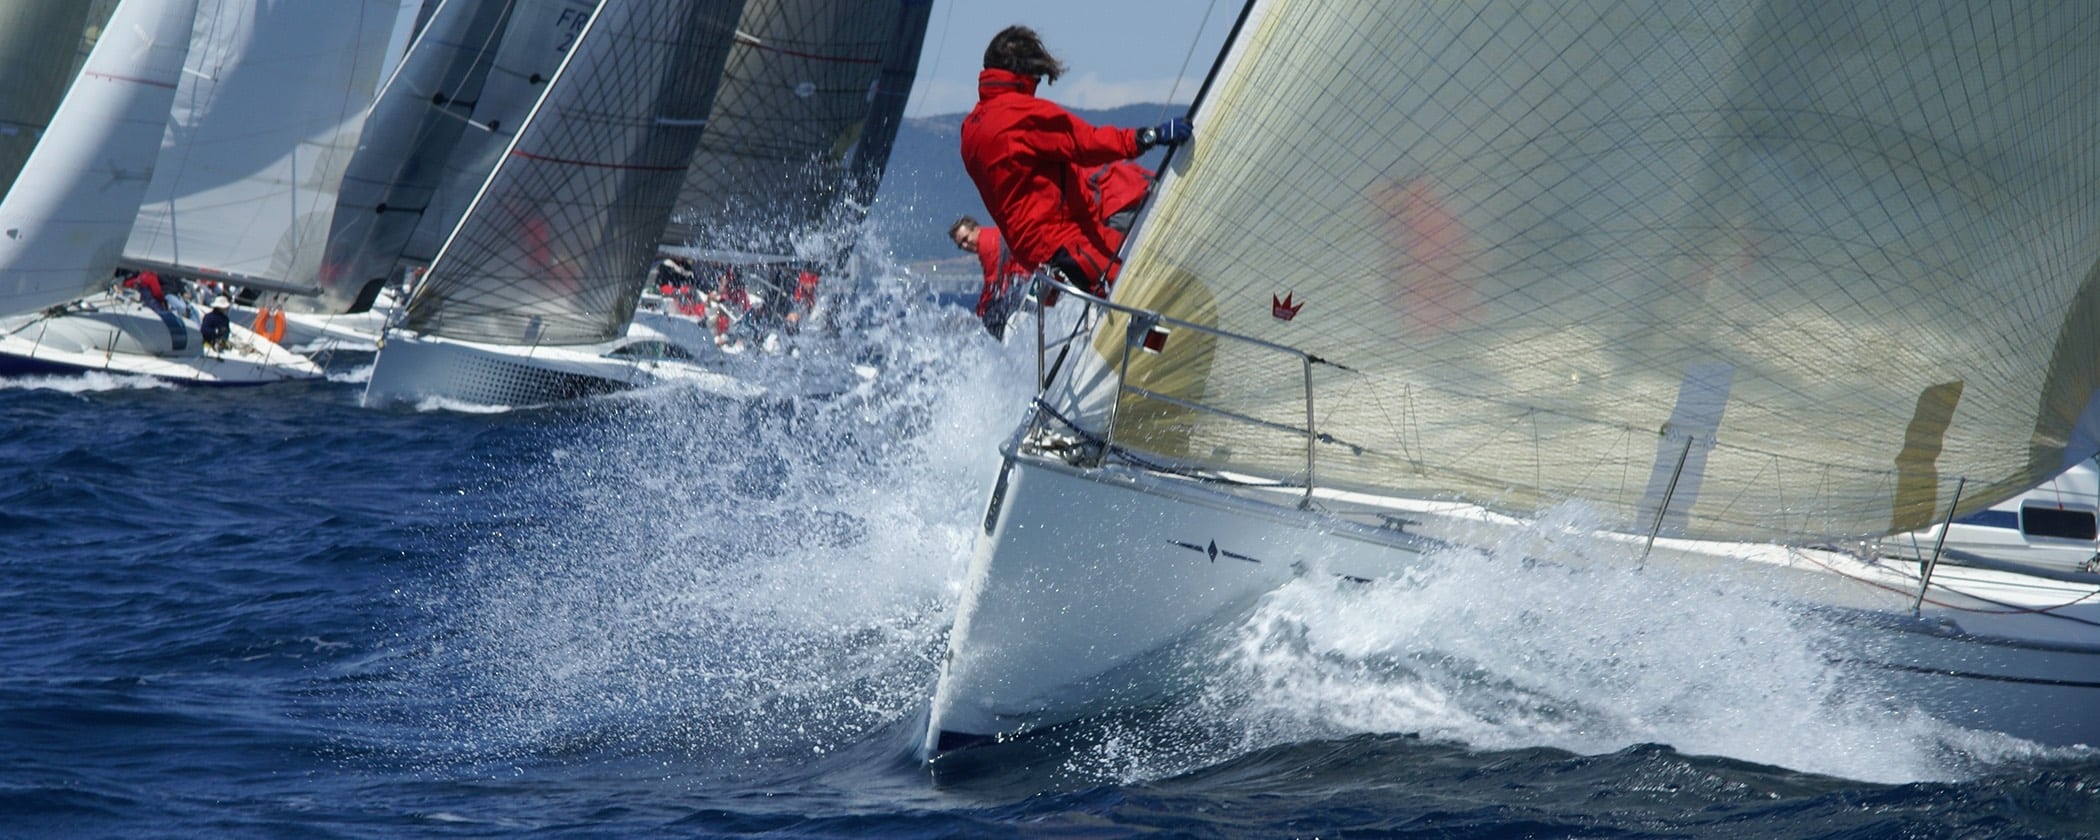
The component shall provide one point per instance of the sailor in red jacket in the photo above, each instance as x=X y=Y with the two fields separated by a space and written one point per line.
x=1028 y=158
x=147 y=284
x=1005 y=279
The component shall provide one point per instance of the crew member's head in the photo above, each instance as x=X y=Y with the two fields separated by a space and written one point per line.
x=1017 y=49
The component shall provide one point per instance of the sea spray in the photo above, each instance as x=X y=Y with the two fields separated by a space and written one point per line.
x=1544 y=637
x=750 y=579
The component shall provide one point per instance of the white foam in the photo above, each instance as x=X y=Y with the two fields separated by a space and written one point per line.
x=84 y=383
x=1505 y=647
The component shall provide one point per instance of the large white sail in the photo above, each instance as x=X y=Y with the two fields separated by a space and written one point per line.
x=556 y=245
x=810 y=103
x=64 y=221
x=1733 y=269
x=265 y=120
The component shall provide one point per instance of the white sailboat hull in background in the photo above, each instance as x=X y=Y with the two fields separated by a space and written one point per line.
x=110 y=335
x=658 y=348
x=1085 y=576
x=415 y=368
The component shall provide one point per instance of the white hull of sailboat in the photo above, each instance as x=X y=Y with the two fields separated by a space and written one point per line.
x=125 y=337
x=314 y=333
x=1084 y=575
x=1081 y=574
x=2033 y=690
x=412 y=368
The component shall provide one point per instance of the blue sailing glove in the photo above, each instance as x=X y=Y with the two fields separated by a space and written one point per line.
x=1173 y=132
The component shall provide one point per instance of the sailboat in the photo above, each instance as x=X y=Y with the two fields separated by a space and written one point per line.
x=266 y=122
x=1753 y=284
x=812 y=98
x=529 y=298
x=65 y=218
x=262 y=122
x=520 y=308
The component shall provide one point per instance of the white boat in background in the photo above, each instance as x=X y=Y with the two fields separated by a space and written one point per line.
x=533 y=297
x=266 y=120
x=529 y=299
x=1752 y=283
x=116 y=333
x=432 y=367
x=65 y=217
x=261 y=120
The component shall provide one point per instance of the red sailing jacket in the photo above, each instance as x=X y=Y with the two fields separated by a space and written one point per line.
x=1000 y=268
x=1027 y=157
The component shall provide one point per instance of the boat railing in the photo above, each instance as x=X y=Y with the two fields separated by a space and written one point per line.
x=1144 y=334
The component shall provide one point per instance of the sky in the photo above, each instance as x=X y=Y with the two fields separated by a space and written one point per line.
x=1116 y=52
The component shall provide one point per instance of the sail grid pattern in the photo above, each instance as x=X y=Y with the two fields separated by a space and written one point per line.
x=811 y=100
x=535 y=40
x=1801 y=269
x=555 y=248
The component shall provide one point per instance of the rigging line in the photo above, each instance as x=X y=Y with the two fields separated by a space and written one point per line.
x=1186 y=57
x=1132 y=457
x=940 y=47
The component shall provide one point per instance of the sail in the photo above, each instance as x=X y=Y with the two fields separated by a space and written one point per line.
x=265 y=120
x=434 y=133
x=1769 y=270
x=63 y=222
x=37 y=41
x=810 y=104
x=556 y=246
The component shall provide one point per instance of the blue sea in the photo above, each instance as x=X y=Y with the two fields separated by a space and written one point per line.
x=269 y=612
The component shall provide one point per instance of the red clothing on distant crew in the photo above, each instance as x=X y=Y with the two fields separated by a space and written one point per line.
x=806 y=288
x=1027 y=155
x=1001 y=270
x=148 y=285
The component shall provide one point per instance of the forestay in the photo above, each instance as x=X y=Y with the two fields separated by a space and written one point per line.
x=264 y=122
x=810 y=104
x=1803 y=268
x=555 y=248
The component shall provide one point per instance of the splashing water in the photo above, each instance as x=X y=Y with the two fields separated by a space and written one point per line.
x=1544 y=639
x=746 y=582
x=728 y=579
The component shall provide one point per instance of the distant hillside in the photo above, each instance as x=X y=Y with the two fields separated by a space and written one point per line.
x=925 y=187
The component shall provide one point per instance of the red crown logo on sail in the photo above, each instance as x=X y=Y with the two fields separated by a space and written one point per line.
x=1283 y=308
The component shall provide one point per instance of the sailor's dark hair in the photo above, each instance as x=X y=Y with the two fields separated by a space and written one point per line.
x=1017 y=49
x=964 y=222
